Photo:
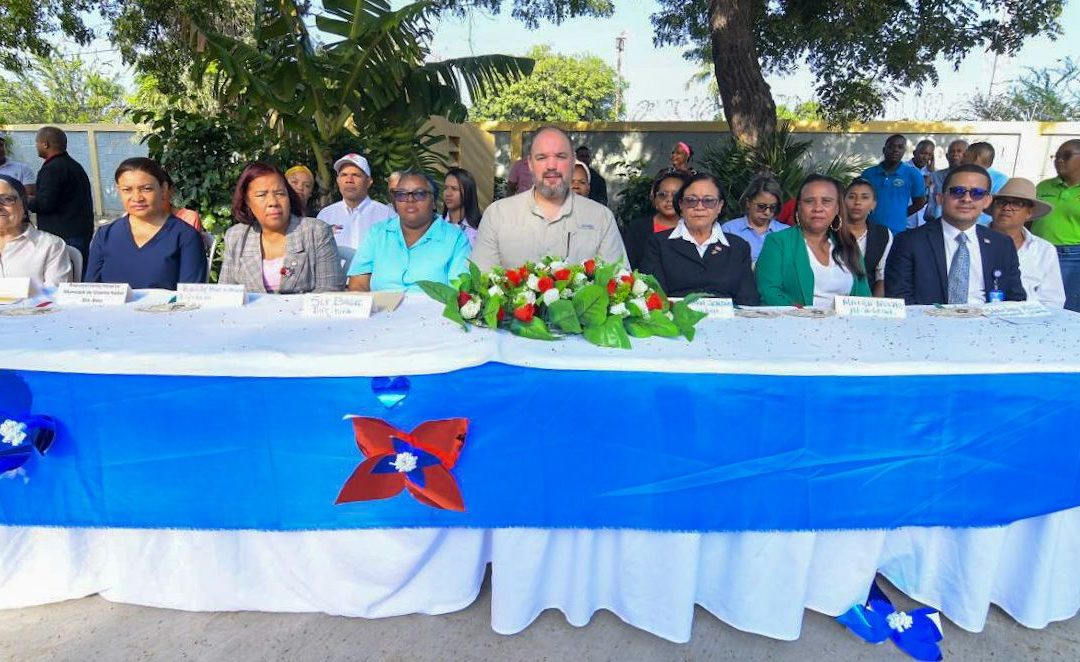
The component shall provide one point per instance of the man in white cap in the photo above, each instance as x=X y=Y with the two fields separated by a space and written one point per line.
x=1014 y=206
x=355 y=213
x=547 y=220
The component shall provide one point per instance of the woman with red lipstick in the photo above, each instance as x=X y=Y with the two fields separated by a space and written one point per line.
x=272 y=248
x=148 y=247
x=818 y=259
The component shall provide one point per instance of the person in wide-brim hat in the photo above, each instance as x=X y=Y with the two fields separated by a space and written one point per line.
x=1014 y=207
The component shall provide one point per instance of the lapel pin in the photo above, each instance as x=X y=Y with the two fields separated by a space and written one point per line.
x=985 y=240
x=716 y=249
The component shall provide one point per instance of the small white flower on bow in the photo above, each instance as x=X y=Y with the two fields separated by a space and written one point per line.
x=405 y=462
x=899 y=621
x=495 y=290
x=12 y=432
x=639 y=287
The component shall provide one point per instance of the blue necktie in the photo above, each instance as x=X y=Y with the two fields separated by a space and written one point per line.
x=959 y=271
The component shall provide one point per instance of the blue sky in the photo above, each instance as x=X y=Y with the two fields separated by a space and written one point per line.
x=658 y=76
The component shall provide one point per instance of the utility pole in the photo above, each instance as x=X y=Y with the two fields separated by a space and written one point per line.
x=620 y=44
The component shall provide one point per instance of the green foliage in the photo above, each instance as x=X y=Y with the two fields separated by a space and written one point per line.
x=1046 y=94
x=60 y=91
x=561 y=88
x=531 y=12
x=861 y=52
x=633 y=200
x=781 y=155
x=805 y=111
x=28 y=28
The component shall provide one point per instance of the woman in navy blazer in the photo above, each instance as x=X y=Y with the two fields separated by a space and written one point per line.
x=696 y=256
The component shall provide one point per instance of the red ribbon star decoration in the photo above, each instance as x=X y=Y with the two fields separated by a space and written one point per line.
x=419 y=462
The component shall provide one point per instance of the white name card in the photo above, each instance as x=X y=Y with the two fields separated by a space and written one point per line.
x=870 y=307
x=92 y=294
x=210 y=296
x=1015 y=309
x=14 y=288
x=356 y=306
x=715 y=308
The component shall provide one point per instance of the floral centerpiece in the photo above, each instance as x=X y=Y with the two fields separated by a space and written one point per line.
x=605 y=303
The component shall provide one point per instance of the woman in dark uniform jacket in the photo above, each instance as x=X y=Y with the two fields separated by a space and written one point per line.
x=696 y=256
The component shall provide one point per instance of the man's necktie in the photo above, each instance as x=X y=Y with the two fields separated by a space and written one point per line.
x=959 y=271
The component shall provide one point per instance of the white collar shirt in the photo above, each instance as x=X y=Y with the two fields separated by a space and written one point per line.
x=683 y=232
x=976 y=287
x=38 y=255
x=350 y=226
x=1040 y=271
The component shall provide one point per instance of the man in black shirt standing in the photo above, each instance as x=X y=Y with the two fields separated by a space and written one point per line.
x=63 y=202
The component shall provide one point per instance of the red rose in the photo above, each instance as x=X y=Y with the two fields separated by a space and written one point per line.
x=545 y=284
x=628 y=279
x=654 y=302
x=463 y=298
x=525 y=312
x=523 y=273
x=611 y=285
x=590 y=267
x=501 y=315
x=562 y=274
x=514 y=277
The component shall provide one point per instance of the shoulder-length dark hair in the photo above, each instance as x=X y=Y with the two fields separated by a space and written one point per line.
x=143 y=164
x=469 y=199
x=694 y=179
x=846 y=249
x=240 y=211
x=666 y=174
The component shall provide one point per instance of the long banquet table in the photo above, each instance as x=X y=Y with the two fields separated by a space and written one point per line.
x=770 y=466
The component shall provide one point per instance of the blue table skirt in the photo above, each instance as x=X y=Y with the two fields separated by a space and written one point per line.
x=554 y=449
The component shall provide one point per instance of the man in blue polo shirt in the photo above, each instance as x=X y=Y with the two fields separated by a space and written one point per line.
x=899 y=187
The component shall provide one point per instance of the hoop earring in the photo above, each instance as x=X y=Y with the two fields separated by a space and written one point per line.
x=836 y=224
x=796 y=217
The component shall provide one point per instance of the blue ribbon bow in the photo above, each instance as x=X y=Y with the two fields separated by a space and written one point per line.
x=913 y=632
x=20 y=436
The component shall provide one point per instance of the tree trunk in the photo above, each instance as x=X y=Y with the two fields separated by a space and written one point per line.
x=748 y=103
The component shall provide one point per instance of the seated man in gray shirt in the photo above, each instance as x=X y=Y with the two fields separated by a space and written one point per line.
x=547 y=219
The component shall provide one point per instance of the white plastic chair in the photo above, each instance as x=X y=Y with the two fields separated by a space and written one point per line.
x=76 y=263
x=210 y=243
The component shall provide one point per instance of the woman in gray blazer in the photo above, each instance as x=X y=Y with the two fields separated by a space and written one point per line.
x=271 y=249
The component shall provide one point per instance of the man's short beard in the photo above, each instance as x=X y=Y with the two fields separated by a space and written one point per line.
x=553 y=192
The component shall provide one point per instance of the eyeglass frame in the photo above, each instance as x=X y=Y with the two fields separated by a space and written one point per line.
x=976 y=193
x=690 y=202
x=416 y=195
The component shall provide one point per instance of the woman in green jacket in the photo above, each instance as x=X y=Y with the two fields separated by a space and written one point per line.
x=818 y=259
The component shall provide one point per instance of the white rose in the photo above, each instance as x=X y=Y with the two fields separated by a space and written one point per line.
x=642 y=306
x=557 y=264
x=567 y=293
x=640 y=287
x=525 y=297
x=551 y=296
x=533 y=282
x=495 y=290
x=622 y=272
x=619 y=309
x=580 y=278
x=471 y=309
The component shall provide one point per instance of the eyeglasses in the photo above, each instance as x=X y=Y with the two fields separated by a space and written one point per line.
x=411 y=196
x=692 y=201
x=666 y=195
x=8 y=200
x=1012 y=203
x=764 y=206
x=958 y=192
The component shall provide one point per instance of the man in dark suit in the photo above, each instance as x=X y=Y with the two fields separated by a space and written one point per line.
x=954 y=260
x=63 y=202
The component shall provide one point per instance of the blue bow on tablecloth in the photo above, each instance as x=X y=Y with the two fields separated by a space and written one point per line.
x=20 y=436
x=913 y=632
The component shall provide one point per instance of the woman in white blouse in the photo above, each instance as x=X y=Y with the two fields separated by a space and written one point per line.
x=1014 y=206
x=26 y=251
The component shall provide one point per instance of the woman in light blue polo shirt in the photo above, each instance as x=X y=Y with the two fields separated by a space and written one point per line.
x=415 y=245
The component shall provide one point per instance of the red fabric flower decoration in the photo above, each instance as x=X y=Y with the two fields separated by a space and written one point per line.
x=611 y=285
x=590 y=267
x=419 y=462
x=285 y=272
x=544 y=284
x=654 y=302
x=628 y=279
x=463 y=298
x=514 y=277
x=562 y=274
x=525 y=313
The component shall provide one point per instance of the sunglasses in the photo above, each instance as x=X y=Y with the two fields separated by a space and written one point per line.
x=958 y=192
x=764 y=206
x=692 y=201
x=1012 y=203
x=411 y=196
x=666 y=195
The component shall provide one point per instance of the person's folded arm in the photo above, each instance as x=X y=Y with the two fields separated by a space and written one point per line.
x=769 y=274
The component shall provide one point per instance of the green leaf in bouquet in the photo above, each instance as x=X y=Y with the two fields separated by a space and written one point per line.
x=591 y=304
x=474 y=273
x=605 y=272
x=491 y=311
x=562 y=314
x=686 y=317
x=535 y=329
x=609 y=334
x=639 y=328
x=441 y=292
x=660 y=325
x=453 y=313
x=654 y=285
